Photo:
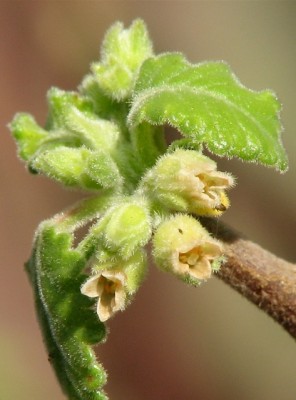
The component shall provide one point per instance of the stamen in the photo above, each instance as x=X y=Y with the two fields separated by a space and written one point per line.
x=191 y=257
x=108 y=285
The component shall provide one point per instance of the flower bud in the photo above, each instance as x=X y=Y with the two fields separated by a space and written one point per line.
x=183 y=247
x=128 y=228
x=28 y=135
x=123 y=53
x=115 y=284
x=78 y=167
x=72 y=115
x=189 y=181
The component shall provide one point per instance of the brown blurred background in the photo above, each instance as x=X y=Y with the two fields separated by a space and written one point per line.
x=174 y=342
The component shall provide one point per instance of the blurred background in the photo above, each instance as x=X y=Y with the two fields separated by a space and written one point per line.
x=174 y=342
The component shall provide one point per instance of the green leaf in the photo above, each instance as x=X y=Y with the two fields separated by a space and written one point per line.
x=68 y=323
x=209 y=105
x=123 y=52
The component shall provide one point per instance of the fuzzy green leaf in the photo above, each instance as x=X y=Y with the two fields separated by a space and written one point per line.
x=68 y=323
x=123 y=52
x=209 y=105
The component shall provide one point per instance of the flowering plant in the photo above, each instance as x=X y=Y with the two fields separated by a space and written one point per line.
x=108 y=139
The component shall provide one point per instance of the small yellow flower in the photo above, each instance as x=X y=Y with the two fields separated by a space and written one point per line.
x=214 y=210
x=196 y=260
x=108 y=286
x=208 y=188
x=188 y=181
x=115 y=283
x=183 y=247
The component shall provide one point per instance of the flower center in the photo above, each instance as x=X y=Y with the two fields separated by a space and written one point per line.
x=108 y=286
x=191 y=257
x=209 y=183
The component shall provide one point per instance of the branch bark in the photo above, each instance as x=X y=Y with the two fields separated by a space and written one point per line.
x=266 y=280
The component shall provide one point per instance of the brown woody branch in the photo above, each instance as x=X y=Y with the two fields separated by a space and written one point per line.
x=266 y=280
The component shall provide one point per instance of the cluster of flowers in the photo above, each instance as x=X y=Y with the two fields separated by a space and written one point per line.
x=182 y=184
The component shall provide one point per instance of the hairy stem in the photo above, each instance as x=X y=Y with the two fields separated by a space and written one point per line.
x=266 y=280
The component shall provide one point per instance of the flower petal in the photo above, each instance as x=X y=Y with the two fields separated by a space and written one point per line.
x=112 y=296
x=90 y=287
x=104 y=307
x=212 y=249
x=201 y=270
